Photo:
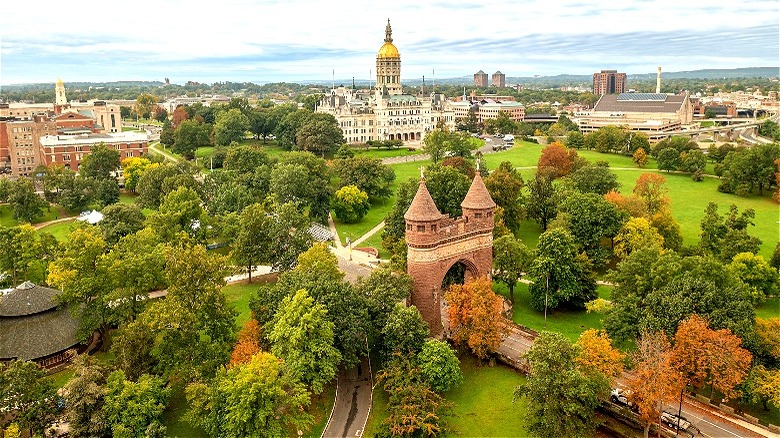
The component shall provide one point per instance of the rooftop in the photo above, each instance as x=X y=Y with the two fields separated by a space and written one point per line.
x=422 y=207
x=117 y=137
x=478 y=197
x=27 y=299
x=640 y=102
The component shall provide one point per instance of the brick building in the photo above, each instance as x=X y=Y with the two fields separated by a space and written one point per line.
x=481 y=79
x=498 y=80
x=609 y=82
x=69 y=150
x=20 y=150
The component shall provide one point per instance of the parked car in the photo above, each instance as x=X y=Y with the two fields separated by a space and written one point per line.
x=678 y=422
x=621 y=397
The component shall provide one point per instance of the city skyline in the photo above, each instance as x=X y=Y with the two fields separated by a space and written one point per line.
x=313 y=41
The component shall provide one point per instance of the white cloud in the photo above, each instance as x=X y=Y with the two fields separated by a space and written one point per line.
x=349 y=32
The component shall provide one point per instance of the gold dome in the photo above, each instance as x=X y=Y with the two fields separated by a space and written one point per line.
x=388 y=50
x=59 y=81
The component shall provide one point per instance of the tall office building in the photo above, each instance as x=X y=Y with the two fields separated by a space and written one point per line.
x=609 y=82
x=481 y=79
x=499 y=79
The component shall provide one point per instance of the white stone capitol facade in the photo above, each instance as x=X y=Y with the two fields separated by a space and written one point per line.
x=385 y=113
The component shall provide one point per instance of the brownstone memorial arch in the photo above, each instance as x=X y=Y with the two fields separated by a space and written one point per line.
x=437 y=242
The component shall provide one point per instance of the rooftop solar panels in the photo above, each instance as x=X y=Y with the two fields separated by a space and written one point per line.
x=660 y=97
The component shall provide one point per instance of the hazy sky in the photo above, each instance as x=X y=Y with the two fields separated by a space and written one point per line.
x=294 y=40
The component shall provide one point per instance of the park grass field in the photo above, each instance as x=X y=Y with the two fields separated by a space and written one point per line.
x=49 y=214
x=385 y=153
x=61 y=230
x=689 y=200
x=568 y=322
x=482 y=403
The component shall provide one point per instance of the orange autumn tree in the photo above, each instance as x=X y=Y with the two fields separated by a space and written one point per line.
x=654 y=380
x=632 y=205
x=598 y=355
x=704 y=355
x=248 y=343
x=651 y=189
x=475 y=316
x=556 y=160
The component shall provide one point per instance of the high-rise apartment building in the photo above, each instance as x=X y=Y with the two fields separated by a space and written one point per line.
x=481 y=79
x=609 y=82
x=499 y=79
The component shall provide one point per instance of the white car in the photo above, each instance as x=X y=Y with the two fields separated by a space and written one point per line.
x=621 y=397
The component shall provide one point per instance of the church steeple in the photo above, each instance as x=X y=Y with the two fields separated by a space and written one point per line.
x=388 y=32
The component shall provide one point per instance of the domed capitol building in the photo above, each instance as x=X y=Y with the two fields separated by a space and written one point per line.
x=385 y=113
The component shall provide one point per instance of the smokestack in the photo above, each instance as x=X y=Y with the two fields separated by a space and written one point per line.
x=658 y=81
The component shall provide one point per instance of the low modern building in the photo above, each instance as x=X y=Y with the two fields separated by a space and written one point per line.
x=34 y=327
x=488 y=109
x=650 y=113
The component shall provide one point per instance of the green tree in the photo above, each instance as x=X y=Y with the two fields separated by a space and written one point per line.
x=194 y=325
x=276 y=236
x=595 y=179
x=562 y=400
x=80 y=275
x=447 y=187
x=286 y=129
x=25 y=253
x=258 y=398
x=439 y=366
x=350 y=204
x=101 y=163
x=542 y=203
x=635 y=234
x=189 y=136
x=120 y=220
x=303 y=336
x=405 y=331
x=590 y=218
x=132 y=169
x=726 y=236
x=511 y=258
x=668 y=159
x=26 y=205
x=575 y=140
x=414 y=409
x=84 y=399
x=368 y=174
x=160 y=179
x=505 y=185
x=754 y=271
x=303 y=179
x=559 y=274
x=383 y=289
x=144 y=104
x=231 y=126
x=180 y=211
x=75 y=193
x=131 y=407
x=26 y=391
x=320 y=134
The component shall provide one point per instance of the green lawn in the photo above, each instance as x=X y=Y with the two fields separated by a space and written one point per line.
x=385 y=153
x=770 y=309
x=482 y=403
x=61 y=230
x=379 y=209
x=570 y=323
x=375 y=241
x=49 y=214
x=689 y=200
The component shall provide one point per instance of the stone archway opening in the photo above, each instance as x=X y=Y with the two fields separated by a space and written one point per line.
x=459 y=273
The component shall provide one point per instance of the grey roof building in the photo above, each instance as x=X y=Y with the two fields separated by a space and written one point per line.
x=34 y=327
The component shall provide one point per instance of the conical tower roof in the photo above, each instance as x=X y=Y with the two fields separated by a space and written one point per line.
x=478 y=197
x=422 y=208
